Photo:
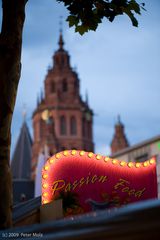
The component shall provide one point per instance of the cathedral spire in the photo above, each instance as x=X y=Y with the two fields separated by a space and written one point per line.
x=21 y=161
x=24 y=112
x=61 y=57
x=61 y=42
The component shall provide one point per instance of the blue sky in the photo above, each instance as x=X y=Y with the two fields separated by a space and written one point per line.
x=118 y=64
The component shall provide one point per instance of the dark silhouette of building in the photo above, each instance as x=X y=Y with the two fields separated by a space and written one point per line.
x=119 y=140
x=23 y=186
x=62 y=120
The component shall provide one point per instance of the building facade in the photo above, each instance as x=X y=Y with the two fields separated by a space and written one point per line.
x=139 y=152
x=62 y=120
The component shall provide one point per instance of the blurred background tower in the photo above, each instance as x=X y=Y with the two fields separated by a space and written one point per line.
x=62 y=120
x=119 y=140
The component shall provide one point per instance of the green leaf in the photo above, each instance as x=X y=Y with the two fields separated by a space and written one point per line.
x=133 y=5
x=134 y=21
x=131 y=16
x=86 y=15
x=81 y=29
x=72 y=20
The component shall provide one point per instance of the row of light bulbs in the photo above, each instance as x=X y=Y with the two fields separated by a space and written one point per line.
x=90 y=155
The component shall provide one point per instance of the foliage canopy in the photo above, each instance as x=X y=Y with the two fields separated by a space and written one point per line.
x=86 y=15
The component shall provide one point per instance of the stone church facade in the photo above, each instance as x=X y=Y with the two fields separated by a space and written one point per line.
x=62 y=120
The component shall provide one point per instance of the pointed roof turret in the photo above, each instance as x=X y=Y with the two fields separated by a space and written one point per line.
x=61 y=57
x=119 y=120
x=86 y=100
x=61 y=42
x=119 y=140
x=21 y=161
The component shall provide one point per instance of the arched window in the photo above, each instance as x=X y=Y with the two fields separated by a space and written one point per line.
x=73 y=126
x=64 y=85
x=53 y=87
x=63 y=127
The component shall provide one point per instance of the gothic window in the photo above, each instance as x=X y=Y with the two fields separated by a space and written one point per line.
x=64 y=85
x=73 y=126
x=63 y=126
x=53 y=87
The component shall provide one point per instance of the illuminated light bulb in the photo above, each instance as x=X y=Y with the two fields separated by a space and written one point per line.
x=46 y=168
x=90 y=154
x=45 y=185
x=58 y=155
x=51 y=160
x=123 y=163
x=130 y=164
x=152 y=161
x=138 y=165
x=65 y=153
x=114 y=161
x=145 y=164
x=73 y=152
x=45 y=201
x=98 y=157
x=45 y=176
x=45 y=194
x=106 y=159
x=82 y=153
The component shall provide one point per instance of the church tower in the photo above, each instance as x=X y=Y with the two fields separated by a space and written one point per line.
x=119 y=140
x=62 y=120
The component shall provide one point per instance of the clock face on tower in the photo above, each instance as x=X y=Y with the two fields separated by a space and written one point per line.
x=45 y=115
